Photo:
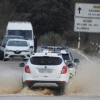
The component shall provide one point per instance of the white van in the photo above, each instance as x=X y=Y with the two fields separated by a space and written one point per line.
x=24 y=29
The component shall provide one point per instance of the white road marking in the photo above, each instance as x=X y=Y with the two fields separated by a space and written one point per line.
x=83 y=55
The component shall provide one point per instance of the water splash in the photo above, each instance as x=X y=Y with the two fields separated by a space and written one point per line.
x=87 y=79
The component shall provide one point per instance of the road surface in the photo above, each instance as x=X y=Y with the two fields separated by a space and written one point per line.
x=85 y=85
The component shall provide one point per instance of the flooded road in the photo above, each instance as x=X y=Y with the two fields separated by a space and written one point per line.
x=10 y=77
x=84 y=85
x=87 y=80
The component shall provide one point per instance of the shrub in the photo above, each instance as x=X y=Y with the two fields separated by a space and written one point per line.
x=52 y=39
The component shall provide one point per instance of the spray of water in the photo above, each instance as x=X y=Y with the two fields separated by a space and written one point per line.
x=87 y=79
x=37 y=91
x=10 y=81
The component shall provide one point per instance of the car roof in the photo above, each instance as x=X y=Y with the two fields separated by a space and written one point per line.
x=63 y=52
x=19 y=25
x=55 y=49
x=46 y=54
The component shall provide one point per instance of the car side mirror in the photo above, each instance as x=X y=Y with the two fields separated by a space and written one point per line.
x=21 y=65
x=76 y=60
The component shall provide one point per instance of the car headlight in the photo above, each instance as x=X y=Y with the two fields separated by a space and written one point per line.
x=8 y=50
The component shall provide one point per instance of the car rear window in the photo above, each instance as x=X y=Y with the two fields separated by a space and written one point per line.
x=66 y=56
x=46 y=60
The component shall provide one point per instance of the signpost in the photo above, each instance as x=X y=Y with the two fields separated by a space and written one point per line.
x=87 y=10
x=87 y=18
x=86 y=25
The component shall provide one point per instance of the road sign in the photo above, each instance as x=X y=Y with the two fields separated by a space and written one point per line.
x=87 y=17
x=87 y=25
x=87 y=10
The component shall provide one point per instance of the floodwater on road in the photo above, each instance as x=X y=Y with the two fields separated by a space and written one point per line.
x=86 y=82
x=10 y=81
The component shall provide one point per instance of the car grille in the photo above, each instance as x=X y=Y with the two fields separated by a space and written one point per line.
x=17 y=52
x=17 y=56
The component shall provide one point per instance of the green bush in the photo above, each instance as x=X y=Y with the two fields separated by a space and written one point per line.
x=52 y=39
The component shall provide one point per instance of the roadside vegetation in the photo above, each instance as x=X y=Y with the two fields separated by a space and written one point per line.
x=52 y=39
x=52 y=20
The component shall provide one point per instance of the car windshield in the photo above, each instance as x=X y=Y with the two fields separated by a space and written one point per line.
x=17 y=43
x=66 y=56
x=46 y=60
x=5 y=39
x=27 y=34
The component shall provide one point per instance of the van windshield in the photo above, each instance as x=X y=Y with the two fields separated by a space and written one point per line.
x=27 y=34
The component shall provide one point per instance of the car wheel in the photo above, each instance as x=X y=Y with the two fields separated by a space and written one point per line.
x=62 y=89
x=5 y=59
x=24 y=85
x=30 y=85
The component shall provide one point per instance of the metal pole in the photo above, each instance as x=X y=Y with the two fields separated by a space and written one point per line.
x=79 y=38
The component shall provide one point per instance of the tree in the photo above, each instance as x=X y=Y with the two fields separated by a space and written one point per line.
x=50 y=15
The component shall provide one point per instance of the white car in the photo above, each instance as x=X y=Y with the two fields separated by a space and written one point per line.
x=47 y=70
x=17 y=48
x=69 y=62
x=4 y=41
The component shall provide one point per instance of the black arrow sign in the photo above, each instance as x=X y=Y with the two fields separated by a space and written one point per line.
x=79 y=9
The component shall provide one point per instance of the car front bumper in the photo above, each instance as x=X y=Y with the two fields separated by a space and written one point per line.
x=24 y=55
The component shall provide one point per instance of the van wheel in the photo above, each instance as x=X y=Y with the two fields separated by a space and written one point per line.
x=1 y=58
x=5 y=59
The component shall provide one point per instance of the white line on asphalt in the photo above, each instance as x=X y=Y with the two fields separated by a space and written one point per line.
x=82 y=55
